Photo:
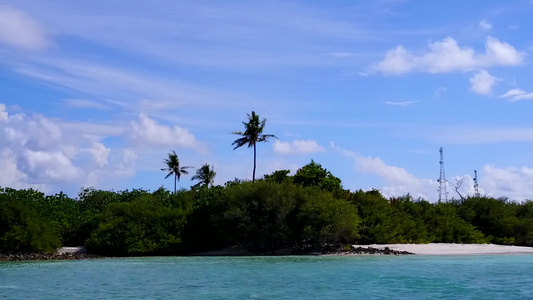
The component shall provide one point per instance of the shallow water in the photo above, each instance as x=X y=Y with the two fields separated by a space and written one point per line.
x=291 y=277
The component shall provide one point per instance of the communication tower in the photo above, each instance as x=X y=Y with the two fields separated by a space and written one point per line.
x=476 y=186
x=443 y=194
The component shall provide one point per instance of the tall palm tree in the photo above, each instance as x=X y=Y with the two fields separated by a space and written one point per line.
x=205 y=174
x=174 y=168
x=252 y=135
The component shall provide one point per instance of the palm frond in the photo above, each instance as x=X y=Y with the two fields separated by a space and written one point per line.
x=240 y=142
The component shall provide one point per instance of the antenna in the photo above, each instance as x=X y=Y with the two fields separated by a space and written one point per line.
x=443 y=194
x=476 y=186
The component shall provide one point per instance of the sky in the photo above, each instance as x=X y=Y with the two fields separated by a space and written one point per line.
x=97 y=93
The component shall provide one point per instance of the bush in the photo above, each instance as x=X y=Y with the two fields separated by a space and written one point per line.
x=142 y=226
x=269 y=216
x=22 y=229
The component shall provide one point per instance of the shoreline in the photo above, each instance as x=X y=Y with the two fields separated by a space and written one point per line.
x=458 y=249
x=77 y=253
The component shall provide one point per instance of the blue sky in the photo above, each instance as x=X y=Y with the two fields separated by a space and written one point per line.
x=96 y=93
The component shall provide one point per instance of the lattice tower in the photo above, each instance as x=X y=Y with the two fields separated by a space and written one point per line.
x=476 y=186
x=443 y=193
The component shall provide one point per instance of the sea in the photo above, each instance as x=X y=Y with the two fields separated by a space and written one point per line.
x=279 y=277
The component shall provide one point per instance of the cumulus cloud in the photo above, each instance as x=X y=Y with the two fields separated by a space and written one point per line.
x=3 y=113
x=20 y=30
x=399 y=181
x=465 y=186
x=297 y=147
x=100 y=154
x=482 y=82
x=512 y=182
x=43 y=153
x=447 y=56
x=11 y=176
x=147 y=132
x=50 y=167
x=500 y=54
x=517 y=95
x=485 y=25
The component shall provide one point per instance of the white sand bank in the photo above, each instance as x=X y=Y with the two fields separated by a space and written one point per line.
x=66 y=250
x=456 y=249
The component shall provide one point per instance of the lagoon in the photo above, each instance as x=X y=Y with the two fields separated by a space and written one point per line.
x=287 y=277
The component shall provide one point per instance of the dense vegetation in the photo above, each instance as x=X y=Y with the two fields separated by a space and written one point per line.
x=280 y=211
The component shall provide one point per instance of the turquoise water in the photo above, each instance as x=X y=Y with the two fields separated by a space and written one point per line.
x=293 y=277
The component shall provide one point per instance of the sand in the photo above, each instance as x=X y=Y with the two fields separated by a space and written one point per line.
x=456 y=249
x=420 y=249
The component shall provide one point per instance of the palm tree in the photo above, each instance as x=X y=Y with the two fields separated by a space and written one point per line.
x=174 y=168
x=206 y=175
x=252 y=135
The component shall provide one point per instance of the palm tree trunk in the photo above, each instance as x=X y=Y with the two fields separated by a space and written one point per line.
x=253 y=175
x=175 y=177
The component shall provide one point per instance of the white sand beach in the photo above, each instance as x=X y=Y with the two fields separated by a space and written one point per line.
x=455 y=249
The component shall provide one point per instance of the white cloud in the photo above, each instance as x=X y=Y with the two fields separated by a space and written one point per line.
x=466 y=187
x=11 y=176
x=3 y=113
x=297 y=147
x=100 y=154
x=485 y=25
x=20 y=30
x=397 y=61
x=517 y=94
x=399 y=181
x=500 y=54
x=513 y=93
x=81 y=103
x=53 y=155
x=147 y=132
x=447 y=56
x=50 y=167
x=400 y=103
x=137 y=91
x=512 y=182
x=482 y=82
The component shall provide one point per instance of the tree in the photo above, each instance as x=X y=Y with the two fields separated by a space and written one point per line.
x=206 y=175
x=174 y=168
x=278 y=176
x=457 y=186
x=313 y=174
x=252 y=135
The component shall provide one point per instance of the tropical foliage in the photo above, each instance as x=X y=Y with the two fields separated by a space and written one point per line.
x=205 y=175
x=174 y=168
x=282 y=211
x=307 y=210
x=252 y=135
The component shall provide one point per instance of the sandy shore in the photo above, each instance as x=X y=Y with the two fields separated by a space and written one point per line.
x=456 y=249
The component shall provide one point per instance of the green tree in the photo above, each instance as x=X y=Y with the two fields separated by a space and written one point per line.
x=143 y=226
x=252 y=135
x=278 y=176
x=22 y=228
x=205 y=174
x=313 y=174
x=174 y=168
